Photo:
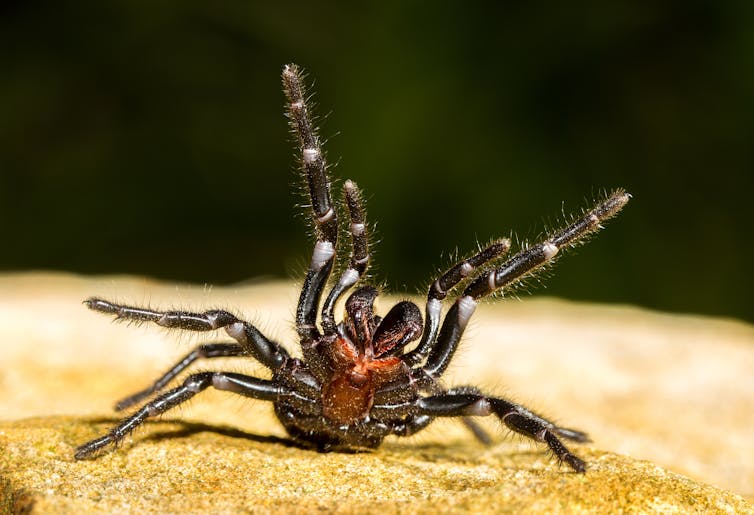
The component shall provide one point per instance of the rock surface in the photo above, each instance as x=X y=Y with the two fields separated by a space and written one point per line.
x=195 y=468
x=675 y=390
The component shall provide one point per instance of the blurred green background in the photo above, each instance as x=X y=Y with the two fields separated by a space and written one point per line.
x=148 y=137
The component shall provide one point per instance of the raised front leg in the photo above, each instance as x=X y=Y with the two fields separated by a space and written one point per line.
x=359 y=255
x=439 y=290
x=323 y=214
x=515 y=269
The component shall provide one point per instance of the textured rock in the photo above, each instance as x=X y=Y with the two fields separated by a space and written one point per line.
x=675 y=390
x=191 y=468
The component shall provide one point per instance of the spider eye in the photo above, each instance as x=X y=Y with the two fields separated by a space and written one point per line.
x=401 y=325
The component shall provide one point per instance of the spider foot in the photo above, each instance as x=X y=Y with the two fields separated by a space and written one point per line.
x=576 y=463
x=93 y=448
x=562 y=454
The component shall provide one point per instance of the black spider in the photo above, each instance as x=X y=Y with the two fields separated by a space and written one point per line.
x=357 y=383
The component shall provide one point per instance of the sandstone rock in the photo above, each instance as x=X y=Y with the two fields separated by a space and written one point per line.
x=197 y=468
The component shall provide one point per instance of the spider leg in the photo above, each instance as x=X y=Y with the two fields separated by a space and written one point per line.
x=439 y=290
x=323 y=213
x=397 y=400
x=359 y=255
x=210 y=350
x=477 y=430
x=238 y=383
x=469 y=402
x=264 y=350
x=528 y=260
x=412 y=425
x=514 y=269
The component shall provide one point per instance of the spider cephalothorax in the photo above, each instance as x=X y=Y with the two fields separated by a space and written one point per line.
x=361 y=355
x=363 y=378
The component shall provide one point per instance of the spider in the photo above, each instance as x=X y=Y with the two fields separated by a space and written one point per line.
x=360 y=379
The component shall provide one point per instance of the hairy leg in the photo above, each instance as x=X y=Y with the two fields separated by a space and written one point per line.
x=439 y=290
x=323 y=213
x=359 y=255
x=210 y=350
x=227 y=381
x=469 y=402
x=264 y=350
x=513 y=270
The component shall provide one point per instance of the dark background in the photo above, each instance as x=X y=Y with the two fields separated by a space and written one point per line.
x=148 y=137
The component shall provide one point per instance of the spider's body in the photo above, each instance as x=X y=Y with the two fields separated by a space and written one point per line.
x=356 y=382
x=357 y=407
